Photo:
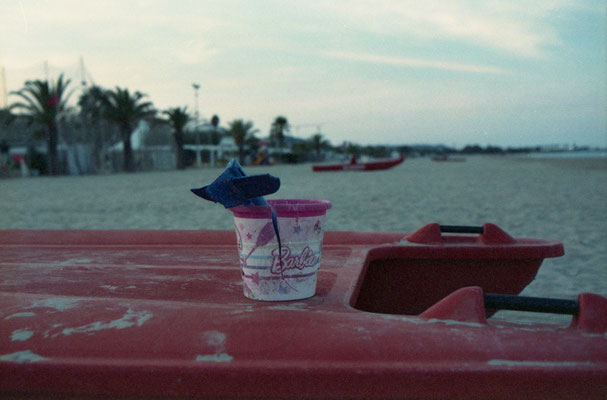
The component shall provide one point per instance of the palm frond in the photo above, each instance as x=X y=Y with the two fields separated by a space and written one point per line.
x=177 y=117
x=125 y=108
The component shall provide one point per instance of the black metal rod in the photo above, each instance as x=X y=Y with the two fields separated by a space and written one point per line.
x=461 y=229
x=533 y=304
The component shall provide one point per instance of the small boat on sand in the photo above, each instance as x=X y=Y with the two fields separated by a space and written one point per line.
x=360 y=166
x=446 y=158
x=161 y=314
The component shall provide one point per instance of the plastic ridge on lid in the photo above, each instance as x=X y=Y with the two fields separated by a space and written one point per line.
x=432 y=234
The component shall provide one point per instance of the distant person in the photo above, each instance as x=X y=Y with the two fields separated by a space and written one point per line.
x=353 y=160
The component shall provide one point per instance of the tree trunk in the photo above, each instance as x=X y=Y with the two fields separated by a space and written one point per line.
x=53 y=161
x=241 y=155
x=129 y=165
x=97 y=146
x=179 y=144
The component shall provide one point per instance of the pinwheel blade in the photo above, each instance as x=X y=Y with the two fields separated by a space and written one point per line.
x=234 y=188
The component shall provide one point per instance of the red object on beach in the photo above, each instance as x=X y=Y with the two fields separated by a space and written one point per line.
x=138 y=314
x=358 y=166
x=18 y=158
x=443 y=158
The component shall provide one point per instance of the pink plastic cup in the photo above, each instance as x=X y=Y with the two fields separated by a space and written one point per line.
x=289 y=274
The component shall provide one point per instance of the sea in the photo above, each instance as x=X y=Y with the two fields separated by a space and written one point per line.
x=569 y=154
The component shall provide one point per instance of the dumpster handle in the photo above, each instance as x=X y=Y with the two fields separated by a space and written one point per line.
x=462 y=229
x=533 y=304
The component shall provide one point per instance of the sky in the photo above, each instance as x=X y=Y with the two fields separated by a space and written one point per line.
x=504 y=73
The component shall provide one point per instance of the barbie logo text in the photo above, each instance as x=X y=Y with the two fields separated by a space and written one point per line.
x=303 y=260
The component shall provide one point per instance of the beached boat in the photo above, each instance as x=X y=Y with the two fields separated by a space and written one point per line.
x=139 y=314
x=360 y=166
x=445 y=158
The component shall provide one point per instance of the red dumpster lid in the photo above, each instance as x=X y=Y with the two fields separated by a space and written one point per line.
x=161 y=313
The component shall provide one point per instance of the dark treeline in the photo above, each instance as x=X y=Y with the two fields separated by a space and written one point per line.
x=105 y=119
x=103 y=122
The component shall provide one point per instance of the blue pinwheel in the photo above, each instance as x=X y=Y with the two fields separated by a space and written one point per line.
x=235 y=188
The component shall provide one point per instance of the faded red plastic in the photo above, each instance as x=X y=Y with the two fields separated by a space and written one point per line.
x=466 y=305
x=592 y=317
x=431 y=234
x=404 y=279
x=360 y=166
x=138 y=314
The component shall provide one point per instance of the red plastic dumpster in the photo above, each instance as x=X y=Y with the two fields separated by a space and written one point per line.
x=89 y=314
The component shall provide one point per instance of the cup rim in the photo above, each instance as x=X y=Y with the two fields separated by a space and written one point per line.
x=284 y=208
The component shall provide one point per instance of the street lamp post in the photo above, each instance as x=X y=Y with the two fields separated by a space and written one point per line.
x=196 y=86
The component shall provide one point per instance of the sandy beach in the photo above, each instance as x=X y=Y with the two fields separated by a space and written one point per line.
x=562 y=199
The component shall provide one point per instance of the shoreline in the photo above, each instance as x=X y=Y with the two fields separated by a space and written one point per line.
x=592 y=163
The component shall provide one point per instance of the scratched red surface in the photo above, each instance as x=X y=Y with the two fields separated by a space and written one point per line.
x=161 y=313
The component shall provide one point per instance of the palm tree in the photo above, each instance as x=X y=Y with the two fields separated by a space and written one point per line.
x=43 y=102
x=91 y=103
x=215 y=124
x=240 y=130
x=318 y=142
x=127 y=111
x=279 y=127
x=215 y=121
x=6 y=118
x=178 y=118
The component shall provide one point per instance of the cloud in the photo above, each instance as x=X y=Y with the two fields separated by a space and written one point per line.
x=518 y=28
x=192 y=52
x=411 y=62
